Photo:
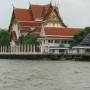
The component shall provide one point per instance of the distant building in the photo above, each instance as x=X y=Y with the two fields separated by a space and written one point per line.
x=45 y=22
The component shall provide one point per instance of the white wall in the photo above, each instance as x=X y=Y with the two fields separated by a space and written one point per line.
x=53 y=25
x=15 y=28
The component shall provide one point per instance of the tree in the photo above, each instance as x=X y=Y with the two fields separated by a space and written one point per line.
x=80 y=36
x=4 y=38
x=28 y=39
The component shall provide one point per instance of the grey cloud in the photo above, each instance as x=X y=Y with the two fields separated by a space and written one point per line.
x=75 y=13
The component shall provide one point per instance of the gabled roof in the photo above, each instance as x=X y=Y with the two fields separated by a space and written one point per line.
x=23 y=14
x=42 y=12
x=61 y=32
x=38 y=10
x=28 y=24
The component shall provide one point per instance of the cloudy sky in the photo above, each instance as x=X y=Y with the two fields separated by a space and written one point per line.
x=75 y=13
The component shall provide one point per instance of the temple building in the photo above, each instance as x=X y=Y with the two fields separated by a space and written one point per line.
x=45 y=22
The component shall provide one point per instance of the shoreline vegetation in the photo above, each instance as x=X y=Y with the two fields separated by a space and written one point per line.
x=81 y=36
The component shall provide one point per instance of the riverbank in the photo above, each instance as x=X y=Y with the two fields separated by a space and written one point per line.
x=43 y=56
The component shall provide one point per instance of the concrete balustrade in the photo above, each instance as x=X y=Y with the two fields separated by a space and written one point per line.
x=19 y=49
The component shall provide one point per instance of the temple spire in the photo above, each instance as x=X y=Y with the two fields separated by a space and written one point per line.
x=58 y=3
x=12 y=4
x=51 y=2
x=30 y=5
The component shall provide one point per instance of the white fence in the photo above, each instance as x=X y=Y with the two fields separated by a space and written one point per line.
x=20 y=49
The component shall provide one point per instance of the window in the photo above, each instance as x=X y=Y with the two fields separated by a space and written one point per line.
x=50 y=41
x=56 y=41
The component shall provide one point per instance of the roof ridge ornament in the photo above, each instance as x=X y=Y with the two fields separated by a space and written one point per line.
x=12 y=3
x=56 y=3
x=51 y=2
x=30 y=5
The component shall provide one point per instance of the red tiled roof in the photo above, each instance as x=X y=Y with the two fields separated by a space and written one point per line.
x=41 y=10
x=37 y=10
x=62 y=32
x=24 y=28
x=23 y=14
x=48 y=9
x=26 y=17
x=32 y=24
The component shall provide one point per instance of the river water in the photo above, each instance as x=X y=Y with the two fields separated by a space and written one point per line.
x=44 y=75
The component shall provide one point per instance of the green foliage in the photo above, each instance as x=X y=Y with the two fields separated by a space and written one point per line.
x=79 y=37
x=4 y=38
x=28 y=39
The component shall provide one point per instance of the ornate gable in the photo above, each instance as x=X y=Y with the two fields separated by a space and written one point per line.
x=53 y=17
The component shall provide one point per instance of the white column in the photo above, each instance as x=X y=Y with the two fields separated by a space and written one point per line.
x=28 y=48
x=5 y=49
x=22 y=48
x=42 y=49
x=53 y=41
x=25 y=48
x=18 y=48
x=31 y=48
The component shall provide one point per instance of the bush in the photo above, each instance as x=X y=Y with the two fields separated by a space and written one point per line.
x=4 y=38
x=79 y=37
x=28 y=39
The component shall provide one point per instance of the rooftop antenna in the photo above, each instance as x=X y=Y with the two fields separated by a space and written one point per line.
x=30 y=6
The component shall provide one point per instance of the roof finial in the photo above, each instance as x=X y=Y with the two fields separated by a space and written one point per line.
x=51 y=2
x=55 y=4
x=12 y=4
x=30 y=6
x=58 y=4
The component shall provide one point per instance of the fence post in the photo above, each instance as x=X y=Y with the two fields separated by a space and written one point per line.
x=31 y=48
x=34 y=48
x=27 y=48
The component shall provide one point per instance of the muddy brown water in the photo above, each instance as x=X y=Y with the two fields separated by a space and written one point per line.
x=44 y=75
